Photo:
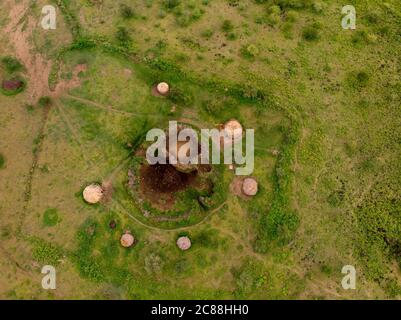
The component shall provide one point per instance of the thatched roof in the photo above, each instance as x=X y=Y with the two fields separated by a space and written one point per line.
x=163 y=88
x=234 y=129
x=93 y=193
x=127 y=240
x=184 y=243
x=182 y=149
x=250 y=186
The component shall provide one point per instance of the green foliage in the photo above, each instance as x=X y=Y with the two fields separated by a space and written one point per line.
x=358 y=79
x=181 y=96
x=171 y=4
x=50 y=217
x=208 y=33
x=206 y=238
x=11 y=64
x=126 y=11
x=311 y=32
x=123 y=36
x=2 y=161
x=88 y=266
x=227 y=26
x=45 y=101
x=46 y=253
x=69 y=17
x=280 y=222
x=250 y=51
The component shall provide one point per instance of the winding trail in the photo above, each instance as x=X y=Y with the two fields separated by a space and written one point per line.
x=109 y=108
x=122 y=208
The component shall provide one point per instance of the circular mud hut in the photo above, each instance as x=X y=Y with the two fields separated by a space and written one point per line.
x=93 y=193
x=163 y=88
x=249 y=186
x=127 y=240
x=184 y=243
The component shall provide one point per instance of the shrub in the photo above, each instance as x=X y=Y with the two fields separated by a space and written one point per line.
x=45 y=101
x=291 y=16
x=358 y=79
x=171 y=4
x=372 y=17
x=11 y=64
x=227 y=26
x=275 y=10
x=250 y=51
x=122 y=35
x=208 y=33
x=180 y=97
x=46 y=253
x=126 y=11
x=207 y=238
x=311 y=33
x=50 y=217
x=2 y=161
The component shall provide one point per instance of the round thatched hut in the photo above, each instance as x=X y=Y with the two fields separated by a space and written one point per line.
x=249 y=186
x=93 y=193
x=233 y=129
x=163 y=88
x=184 y=243
x=127 y=239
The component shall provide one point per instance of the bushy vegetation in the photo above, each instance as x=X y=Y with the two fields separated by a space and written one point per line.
x=11 y=64
x=325 y=117
x=46 y=253
x=2 y=161
x=50 y=217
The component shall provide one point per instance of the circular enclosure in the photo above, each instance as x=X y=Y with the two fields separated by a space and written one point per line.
x=93 y=193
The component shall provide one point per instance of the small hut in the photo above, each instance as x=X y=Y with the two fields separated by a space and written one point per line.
x=249 y=186
x=127 y=239
x=184 y=243
x=233 y=129
x=93 y=193
x=163 y=88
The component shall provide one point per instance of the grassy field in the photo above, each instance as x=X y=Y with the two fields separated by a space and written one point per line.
x=325 y=106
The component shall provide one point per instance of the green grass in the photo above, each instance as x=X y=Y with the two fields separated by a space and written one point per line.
x=2 y=161
x=50 y=217
x=324 y=103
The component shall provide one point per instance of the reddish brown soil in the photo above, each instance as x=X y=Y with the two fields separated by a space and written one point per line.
x=236 y=188
x=37 y=67
x=156 y=93
x=165 y=178
x=12 y=84
x=158 y=184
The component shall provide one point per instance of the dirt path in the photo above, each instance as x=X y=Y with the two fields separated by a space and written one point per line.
x=123 y=209
x=73 y=131
x=110 y=108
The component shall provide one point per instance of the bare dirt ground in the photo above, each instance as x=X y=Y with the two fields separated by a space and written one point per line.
x=37 y=68
x=20 y=29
